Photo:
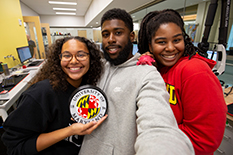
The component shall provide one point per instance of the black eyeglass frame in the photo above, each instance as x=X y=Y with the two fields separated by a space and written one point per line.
x=60 y=56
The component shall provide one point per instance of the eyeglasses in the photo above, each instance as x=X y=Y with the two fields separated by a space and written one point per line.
x=80 y=56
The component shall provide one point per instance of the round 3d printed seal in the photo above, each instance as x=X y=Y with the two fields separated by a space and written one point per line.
x=88 y=103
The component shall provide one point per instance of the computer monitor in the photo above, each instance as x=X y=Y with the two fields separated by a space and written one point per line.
x=24 y=53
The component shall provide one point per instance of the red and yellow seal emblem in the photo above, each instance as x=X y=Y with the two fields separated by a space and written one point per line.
x=88 y=103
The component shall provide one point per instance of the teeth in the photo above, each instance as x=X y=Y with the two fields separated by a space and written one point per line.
x=169 y=56
x=74 y=69
x=112 y=49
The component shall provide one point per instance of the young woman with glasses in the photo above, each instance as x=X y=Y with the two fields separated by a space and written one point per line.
x=42 y=123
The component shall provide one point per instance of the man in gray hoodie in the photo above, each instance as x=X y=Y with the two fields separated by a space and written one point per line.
x=140 y=120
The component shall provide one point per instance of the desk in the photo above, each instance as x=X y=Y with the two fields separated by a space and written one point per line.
x=8 y=100
x=227 y=141
x=229 y=100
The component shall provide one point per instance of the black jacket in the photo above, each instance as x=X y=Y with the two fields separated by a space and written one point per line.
x=40 y=110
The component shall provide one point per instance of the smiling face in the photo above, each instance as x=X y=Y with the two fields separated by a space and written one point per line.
x=117 y=41
x=167 y=45
x=75 y=69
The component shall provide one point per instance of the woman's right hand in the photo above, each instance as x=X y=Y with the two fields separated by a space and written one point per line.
x=84 y=129
x=146 y=59
x=149 y=54
x=45 y=140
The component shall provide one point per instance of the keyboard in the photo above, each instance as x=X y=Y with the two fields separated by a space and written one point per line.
x=8 y=82
x=34 y=63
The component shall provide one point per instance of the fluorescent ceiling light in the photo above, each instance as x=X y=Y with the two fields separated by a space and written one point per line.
x=65 y=13
x=65 y=3
x=66 y=9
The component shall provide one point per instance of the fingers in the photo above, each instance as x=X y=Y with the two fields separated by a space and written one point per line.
x=101 y=120
x=138 y=63
x=89 y=127
x=149 y=54
x=146 y=53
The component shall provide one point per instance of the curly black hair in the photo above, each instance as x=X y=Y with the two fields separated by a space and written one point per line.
x=52 y=68
x=151 y=23
x=120 y=14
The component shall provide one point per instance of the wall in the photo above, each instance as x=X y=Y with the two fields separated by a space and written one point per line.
x=90 y=34
x=26 y=11
x=95 y=9
x=97 y=35
x=12 y=34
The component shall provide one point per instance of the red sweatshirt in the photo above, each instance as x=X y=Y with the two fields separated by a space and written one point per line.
x=197 y=100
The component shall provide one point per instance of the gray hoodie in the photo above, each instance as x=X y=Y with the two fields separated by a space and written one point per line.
x=140 y=120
